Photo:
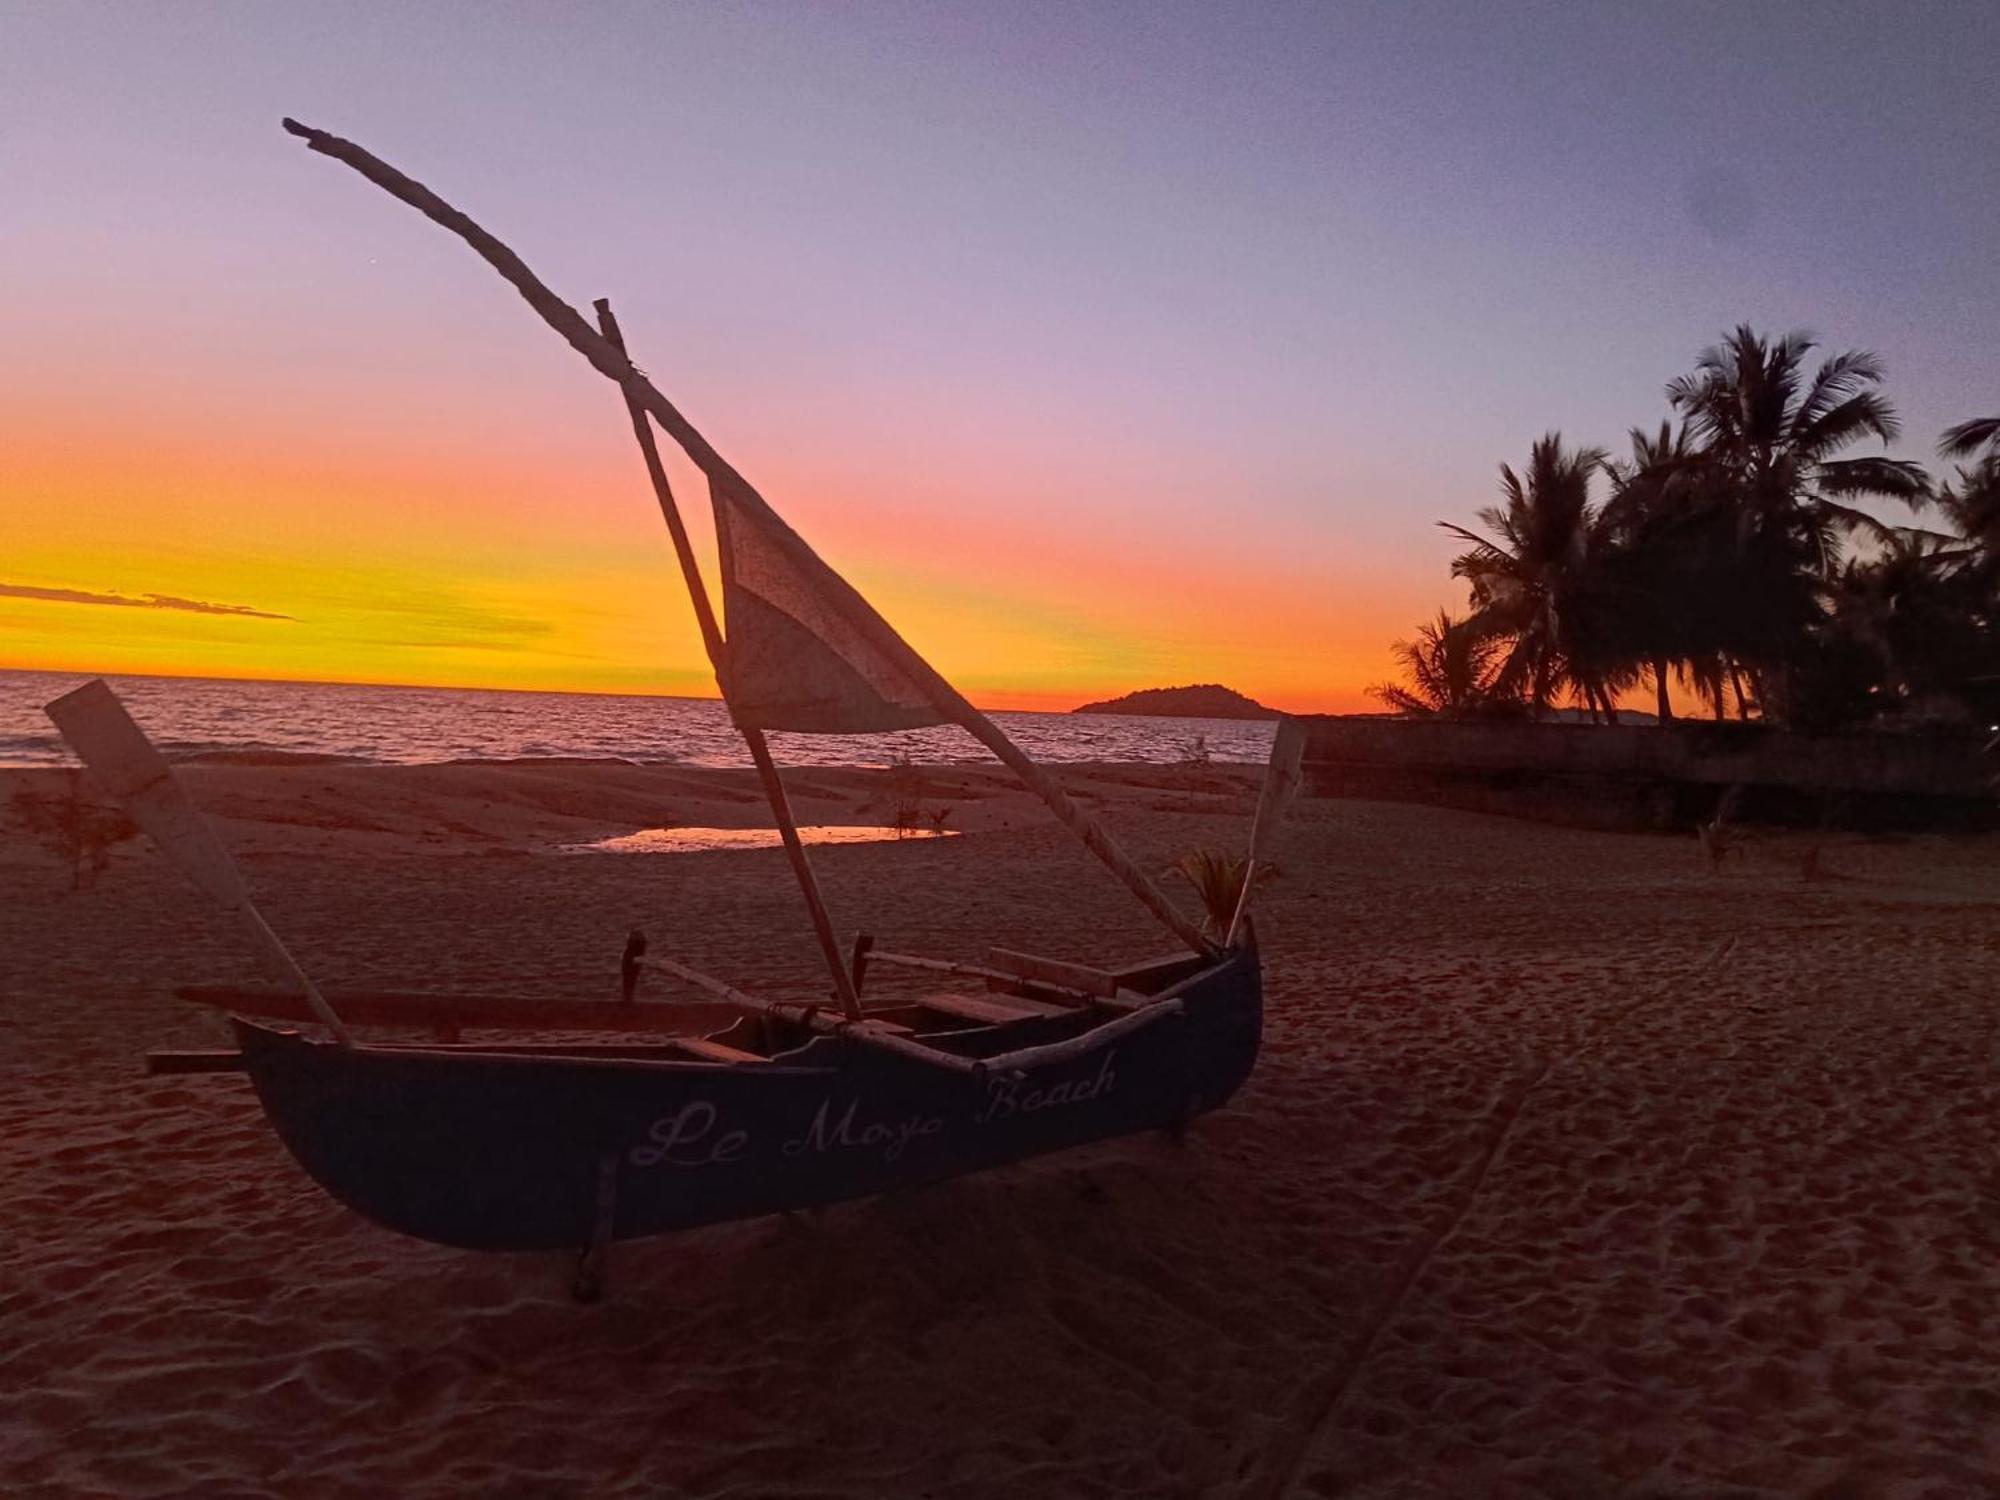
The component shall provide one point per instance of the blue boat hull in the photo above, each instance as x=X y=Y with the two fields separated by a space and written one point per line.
x=497 y=1151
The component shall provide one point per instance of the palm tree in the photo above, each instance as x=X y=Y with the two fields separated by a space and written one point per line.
x=1653 y=519
x=1540 y=581
x=1450 y=671
x=1906 y=605
x=1770 y=434
x=1972 y=504
x=1973 y=508
x=1775 y=432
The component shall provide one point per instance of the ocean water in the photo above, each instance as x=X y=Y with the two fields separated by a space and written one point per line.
x=202 y=717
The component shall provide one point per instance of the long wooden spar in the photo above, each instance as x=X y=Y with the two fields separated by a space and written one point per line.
x=611 y=362
x=711 y=639
x=128 y=766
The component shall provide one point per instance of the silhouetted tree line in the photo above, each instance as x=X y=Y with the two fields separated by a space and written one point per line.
x=1727 y=554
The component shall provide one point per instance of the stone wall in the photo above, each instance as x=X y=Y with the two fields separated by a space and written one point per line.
x=1660 y=776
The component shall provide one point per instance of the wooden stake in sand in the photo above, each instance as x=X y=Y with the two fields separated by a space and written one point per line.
x=126 y=765
x=1281 y=784
x=711 y=639
x=611 y=361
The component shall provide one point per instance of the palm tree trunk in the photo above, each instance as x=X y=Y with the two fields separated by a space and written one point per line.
x=1736 y=682
x=1665 y=709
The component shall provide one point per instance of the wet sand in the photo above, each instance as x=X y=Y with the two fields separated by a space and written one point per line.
x=1572 y=1168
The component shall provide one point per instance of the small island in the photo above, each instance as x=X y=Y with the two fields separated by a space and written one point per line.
x=1202 y=700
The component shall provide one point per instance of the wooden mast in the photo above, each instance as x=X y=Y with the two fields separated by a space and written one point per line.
x=711 y=639
x=611 y=362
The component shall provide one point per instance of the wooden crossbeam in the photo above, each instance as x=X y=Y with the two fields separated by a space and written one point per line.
x=883 y=1036
x=194 y=1062
x=1033 y=966
x=1016 y=986
x=1059 y=994
x=989 y=1011
x=462 y=1012
x=701 y=1046
x=1150 y=971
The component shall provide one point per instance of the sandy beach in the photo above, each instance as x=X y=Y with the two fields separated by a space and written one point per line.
x=1571 y=1168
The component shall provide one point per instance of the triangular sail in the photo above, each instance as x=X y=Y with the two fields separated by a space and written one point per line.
x=793 y=658
x=862 y=642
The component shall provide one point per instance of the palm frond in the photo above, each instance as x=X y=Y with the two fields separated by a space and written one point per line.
x=1969 y=437
x=1839 y=379
x=1865 y=414
x=1889 y=478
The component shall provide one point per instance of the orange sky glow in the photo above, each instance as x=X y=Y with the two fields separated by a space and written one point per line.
x=1099 y=355
x=440 y=562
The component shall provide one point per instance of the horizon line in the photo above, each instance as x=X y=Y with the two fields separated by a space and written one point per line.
x=419 y=687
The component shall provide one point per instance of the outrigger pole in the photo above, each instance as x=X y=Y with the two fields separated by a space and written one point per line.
x=611 y=362
x=1281 y=784
x=711 y=639
x=127 y=766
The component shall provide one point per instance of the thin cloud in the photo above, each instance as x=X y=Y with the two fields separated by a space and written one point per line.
x=141 y=601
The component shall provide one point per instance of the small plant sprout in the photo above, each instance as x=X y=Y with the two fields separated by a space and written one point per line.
x=1217 y=879
x=72 y=824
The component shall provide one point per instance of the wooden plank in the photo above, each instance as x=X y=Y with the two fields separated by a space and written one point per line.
x=1015 y=987
x=1011 y=984
x=1150 y=970
x=661 y=1051
x=989 y=1011
x=1068 y=1051
x=1090 y=980
x=426 y=1011
x=194 y=1062
x=884 y=1037
x=701 y=1046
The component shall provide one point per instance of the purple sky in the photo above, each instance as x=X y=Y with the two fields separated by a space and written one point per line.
x=1255 y=282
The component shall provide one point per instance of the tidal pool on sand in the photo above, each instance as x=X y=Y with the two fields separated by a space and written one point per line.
x=697 y=840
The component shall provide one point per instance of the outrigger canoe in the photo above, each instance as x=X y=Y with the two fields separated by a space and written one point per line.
x=524 y=1147
x=556 y=1143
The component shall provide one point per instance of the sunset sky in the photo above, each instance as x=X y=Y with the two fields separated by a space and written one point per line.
x=1102 y=346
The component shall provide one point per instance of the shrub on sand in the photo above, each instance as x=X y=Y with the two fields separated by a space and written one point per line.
x=74 y=826
x=1217 y=879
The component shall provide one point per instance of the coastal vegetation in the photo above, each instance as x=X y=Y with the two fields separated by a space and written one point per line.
x=1216 y=877
x=1743 y=551
x=1201 y=700
x=73 y=823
